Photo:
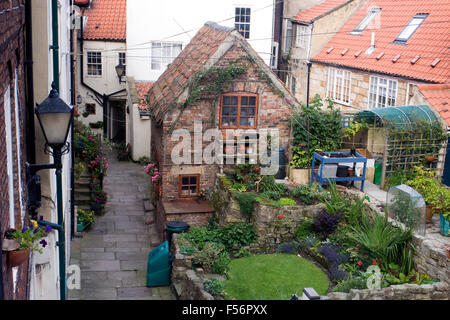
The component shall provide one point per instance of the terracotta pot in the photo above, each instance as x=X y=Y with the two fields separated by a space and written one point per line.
x=430 y=212
x=16 y=258
x=448 y=251
x=430 y=158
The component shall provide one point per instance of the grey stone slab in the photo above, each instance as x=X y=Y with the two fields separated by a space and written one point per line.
x=99 y=294
x=122 y=275
x=130 y=250
x=94 y=275
x=133 y=265
x=138 y=282
x=100 y=265
x=134 y=292
x=84 y=249
x=132 y=244
x=131 y=256
x=100 y=284
x=119 y=237
x=98 y=256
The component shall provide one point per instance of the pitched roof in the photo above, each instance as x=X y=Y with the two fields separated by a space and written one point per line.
x=192 y=58
x=438 y=96
x=319 y=10
x=142 y=88
x=106 y=20
x=425 y=56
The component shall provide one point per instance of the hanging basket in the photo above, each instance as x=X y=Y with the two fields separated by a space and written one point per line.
x=445 y=226
x=17 y=257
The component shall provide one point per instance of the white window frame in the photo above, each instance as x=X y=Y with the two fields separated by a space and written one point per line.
x=302 y=37
x=378 y=86
x=9 y=154
x=98 y=64
x=160 y=61
x=411 y=27
x=241 y=25
x=344 y=76
x=363 y=24
x=288 y=36
x=122 y=57
x=274 y=57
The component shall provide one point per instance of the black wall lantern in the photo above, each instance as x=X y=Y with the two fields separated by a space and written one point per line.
x=120 y=70
x=55 y=118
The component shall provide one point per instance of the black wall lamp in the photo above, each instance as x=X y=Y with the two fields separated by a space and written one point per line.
x=120 y=70
x=55 y=118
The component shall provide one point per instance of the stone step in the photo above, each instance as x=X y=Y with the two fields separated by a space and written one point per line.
x=86 y=180
x=85 y=191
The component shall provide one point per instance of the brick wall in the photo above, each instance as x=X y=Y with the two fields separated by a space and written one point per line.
x=11 y=58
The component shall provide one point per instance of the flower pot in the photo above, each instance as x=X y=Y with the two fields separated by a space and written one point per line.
x=300 y=176
x=448 y=251
x=81 y=226
x=445 y=226
x=17 y=257
x=430 y=159
x=429 y=213
x=10 y=244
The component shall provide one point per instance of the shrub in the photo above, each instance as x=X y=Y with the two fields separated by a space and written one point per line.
x=242 y=253
x=290 y=247
x=79 y=168
x=304 y=229
x=222 y=263
x=198 y=236
x=354 y=213
x=213 y=286
x=359 y=282
x=246 y=202
x=268 y=184
x=275 y=195
x=388 y=243
x=208 y=255
x=287 y=202
x=334 y=259
x=336 y=203
x=308 y=193
x=325 y=223
x=238 y=234
x=85 y=217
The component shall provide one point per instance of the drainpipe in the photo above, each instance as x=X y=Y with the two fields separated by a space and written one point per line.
x=57 y=158
x=72 y=172
x=29 y=102
x=2 y=292
x=307 y=82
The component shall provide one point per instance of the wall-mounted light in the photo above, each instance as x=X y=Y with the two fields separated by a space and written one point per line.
x=120 y=70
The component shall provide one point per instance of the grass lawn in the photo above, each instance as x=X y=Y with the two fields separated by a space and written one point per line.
x=273 y=277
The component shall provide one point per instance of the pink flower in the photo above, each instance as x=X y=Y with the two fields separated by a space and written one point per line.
x=374 y=262
x=359 y=263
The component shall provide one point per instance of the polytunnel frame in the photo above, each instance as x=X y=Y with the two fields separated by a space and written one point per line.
x=387 y=115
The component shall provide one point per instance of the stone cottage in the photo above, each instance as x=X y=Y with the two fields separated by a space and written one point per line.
x=218 y=81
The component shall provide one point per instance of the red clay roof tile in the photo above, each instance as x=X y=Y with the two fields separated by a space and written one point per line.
x=318 y=10
x=106 y=20
x=142 y=88
x=430 y=41
x=438 y=96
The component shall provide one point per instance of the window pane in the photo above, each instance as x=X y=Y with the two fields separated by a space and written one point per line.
x=185 y=180
x=251 y=111
x=251 y=122
x=234 y=101
x=193 y=180
x=185 y=190
x=233 y=111
x=243 y=122
x=225 y=111
x=244 y=101
x=232 y=122
x=193 y=190
x=252 y=101
x=226 y=100
x=243 y=111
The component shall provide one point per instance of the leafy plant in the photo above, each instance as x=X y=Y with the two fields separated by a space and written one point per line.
x=238 y=234
x=222 y=263
x=336 y=203
x=287 y=202
x=304 y=229
x=301 y=159
x=85 y=217
x=213 y=286
x=308 y=193
x=198 y=236
x=208 y=255
x=143 y=160
x=354 y=128
x=325 y=223
x=29 y=235
x=268 y=184
x=358 y=282
x=79 y=168
x=242 y=253
x=246 y=202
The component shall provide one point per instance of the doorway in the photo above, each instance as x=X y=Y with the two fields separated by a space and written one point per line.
x=117 y=121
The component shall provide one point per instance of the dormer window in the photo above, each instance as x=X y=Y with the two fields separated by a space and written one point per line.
x=365 y=21
x=412 y=26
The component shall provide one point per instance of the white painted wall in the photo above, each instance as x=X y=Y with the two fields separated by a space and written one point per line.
x=106 y=84
x=44 y=280
x=169 y=20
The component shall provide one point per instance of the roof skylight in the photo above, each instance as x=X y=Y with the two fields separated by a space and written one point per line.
x=412 y=26
x=365 y=21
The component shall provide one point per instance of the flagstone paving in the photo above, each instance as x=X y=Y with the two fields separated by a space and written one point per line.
x=112 y=255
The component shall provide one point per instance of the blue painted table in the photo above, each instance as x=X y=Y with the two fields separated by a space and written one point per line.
x=330 y=158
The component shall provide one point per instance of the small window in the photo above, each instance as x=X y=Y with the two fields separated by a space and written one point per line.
x=412 y=26
x=94 y=63
x=163 y=54
x=189 y=185
x=242 y=21
x=293 y=84
x=288 y=42
x=238 y=111
x=90 y=108
x=339 y=85
x=365 y=21
x=123 y=61
x=382 y=92
x=302 y=36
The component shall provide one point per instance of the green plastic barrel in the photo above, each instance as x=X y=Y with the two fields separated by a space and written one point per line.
x=158 y=267
x=377 y=175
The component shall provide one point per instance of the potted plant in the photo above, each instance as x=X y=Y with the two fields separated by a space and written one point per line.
x=351 y=132
x=84 y=219
x=26 y=241
x=300 y=165
x=98 y=199
x=430 y=157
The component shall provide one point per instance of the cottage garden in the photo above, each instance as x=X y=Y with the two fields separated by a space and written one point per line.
x=269 y=240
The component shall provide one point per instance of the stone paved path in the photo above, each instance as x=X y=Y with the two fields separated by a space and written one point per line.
x=113 y=254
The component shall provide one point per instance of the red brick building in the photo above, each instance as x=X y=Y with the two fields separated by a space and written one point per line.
x=12 y=136
x=253 y=99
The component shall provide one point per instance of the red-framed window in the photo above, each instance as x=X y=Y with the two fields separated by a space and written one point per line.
x=238 y=111
x=188 y=185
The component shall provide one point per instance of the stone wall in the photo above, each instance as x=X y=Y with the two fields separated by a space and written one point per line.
x=187 y=284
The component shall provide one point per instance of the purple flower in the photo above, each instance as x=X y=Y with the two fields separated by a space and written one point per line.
x=43 y=242
x=24 y=229
x=36 y=230
x=48 y=229
x=41 y=218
